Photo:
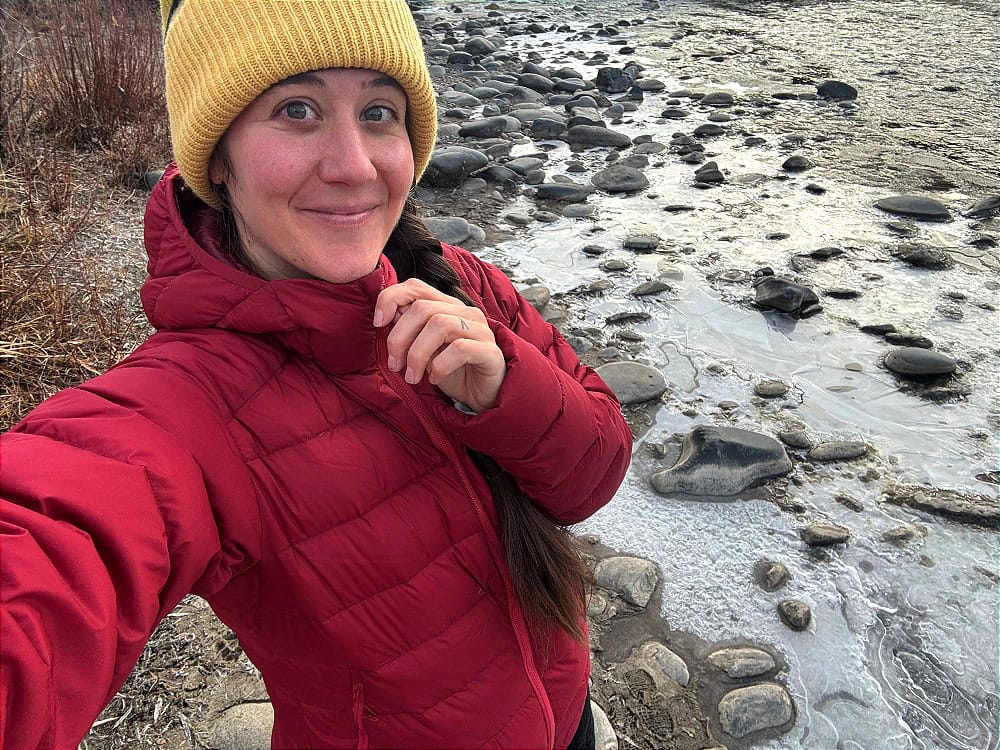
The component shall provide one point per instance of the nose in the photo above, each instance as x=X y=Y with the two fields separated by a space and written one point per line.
x=348 y=155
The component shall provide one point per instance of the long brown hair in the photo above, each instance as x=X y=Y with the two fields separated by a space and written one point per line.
x=546 y=568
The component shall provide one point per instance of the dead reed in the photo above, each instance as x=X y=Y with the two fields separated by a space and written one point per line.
x=81 y=117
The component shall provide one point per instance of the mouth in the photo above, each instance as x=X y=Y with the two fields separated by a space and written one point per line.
x=341 y=216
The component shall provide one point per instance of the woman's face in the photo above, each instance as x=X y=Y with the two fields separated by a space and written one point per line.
x=317 y=169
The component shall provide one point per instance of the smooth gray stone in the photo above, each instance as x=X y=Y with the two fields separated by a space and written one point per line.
x=709 y=129
x=459 y=99
x=633 y=382
x=604 y=732
x=577 y=210
x=497 y=173
x=652 y=147
x=917 y=362
x=825 y=534
x=984 y=206
x=649 y=288
x=795 y=614
x=571 y=85
x=591 y=135
x=590 y=118
x=921 y=256
x=560 y=191
x=742 y=662
x=545 y=128
x=620 y=179
x=524 y=164
x=537 y=295
x=751 y=709
x=642 y=243
x=245 y=726
x=654 y=657
x=836 y=90
x=770 y=388
x=449 y=166
x=837 y=450
x=796 y=439
x=523 y=95
x=650 y=84
x=480 y=47
x=615 y=80
x=722 y=461
x=529 y=115
x=535 y=82
x=452 y=230
x=796 y=164
x=490 y=127
x=632 y=578
x=717 y=99
x=784 y=295
x=674 y=113
x=484 y=93
x=917 y=206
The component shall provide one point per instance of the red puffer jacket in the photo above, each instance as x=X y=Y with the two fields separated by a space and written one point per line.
x=258 y=451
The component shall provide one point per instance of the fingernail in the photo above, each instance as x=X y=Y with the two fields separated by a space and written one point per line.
x=392 y=363
x=411 y=376
x=377 y=321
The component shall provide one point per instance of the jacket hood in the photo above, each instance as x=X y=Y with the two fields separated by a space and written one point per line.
x=193 y=284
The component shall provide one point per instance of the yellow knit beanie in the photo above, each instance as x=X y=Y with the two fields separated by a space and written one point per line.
x=221 y=54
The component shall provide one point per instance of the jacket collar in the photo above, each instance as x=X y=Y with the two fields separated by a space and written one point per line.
x=192 y=284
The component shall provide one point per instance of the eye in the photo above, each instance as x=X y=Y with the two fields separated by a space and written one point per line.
x=298 y=111
x=379 y=113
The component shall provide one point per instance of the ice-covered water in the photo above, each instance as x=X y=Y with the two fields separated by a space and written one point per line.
x=903 y=650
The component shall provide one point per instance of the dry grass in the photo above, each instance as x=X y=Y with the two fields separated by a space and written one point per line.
x=81 y=115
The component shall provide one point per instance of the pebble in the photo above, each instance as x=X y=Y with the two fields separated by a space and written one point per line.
x=655 y=658
x=633 y=382
x=245 y=726
x=918 y=362
x=795 y=614
x=452 y=230
x=771 y=575
x=632 y=578
x=781 y=294
x=836 y=90
x=620 y=179
x=750 y=709
x=838 y=450
x=592 y=135
x=796 y=163
x=917 y=206
x=644 y=242
x=742 y=662
x=824 y=534
x=450 y=165
x=649 y=288
x=560 y=191
x=770 y=388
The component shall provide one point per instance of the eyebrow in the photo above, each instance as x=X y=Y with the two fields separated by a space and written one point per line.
x=311 y=79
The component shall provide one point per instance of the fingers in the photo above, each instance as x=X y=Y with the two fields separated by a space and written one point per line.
x=393 y=298
x=425 y=330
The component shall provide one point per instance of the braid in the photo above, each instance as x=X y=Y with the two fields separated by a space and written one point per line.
x=547 y=571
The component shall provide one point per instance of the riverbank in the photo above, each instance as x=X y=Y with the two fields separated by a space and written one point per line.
x=820 y=524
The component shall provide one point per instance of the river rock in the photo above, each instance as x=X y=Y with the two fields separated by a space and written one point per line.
x=750 y=709
x=722 y=461
x=717 y=99
x=658 y=661
x=978 y=509
x=632 y=578
x=563 y=191
x=921 y=256
x=836 y=90
x=824 y=534
x=770 y=388
x=984 y=207
x=545 y=128
x=796 y=439
x=452 y=230
x=644 y=242
x=537 y=295
x=594 y=135
x=616 y=80
x=633 y=382
x=742 y=662
x=577 y=210
x=918 y=362
x=796 y=163
x=648 y=288
x=245 y=726
x=795 y=614
x=709 y=172
x=480 y=46
x=770 y=575
x=490 y=127
x=604 y=732
x=450 y=165
x=837 y=450
x=620 y=179
x=781 y=294
x=535 y=82
x=524 y=164
x=709 y=130
x=917 y=206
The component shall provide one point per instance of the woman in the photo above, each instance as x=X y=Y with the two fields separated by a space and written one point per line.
x=357 y=444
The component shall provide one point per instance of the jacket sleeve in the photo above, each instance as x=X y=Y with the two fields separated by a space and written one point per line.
x=105 y=524
x=556 y=427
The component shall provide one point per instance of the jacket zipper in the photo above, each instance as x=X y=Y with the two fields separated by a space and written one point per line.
x=412 y=400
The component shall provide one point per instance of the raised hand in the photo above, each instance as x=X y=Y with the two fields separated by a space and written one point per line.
x=441 y=337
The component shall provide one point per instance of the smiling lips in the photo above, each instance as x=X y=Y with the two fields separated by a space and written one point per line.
x=342 y=216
